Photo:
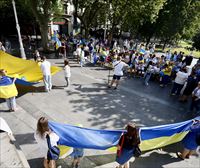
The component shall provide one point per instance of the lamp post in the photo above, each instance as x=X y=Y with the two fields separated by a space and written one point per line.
x=105 y=27
x=23 y=55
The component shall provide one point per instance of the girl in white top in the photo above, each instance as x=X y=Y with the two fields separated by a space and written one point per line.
x=181 y=78
x=40 y=136
x=67 y=72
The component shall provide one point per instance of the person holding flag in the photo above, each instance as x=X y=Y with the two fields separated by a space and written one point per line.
x=128 y=146
x=8 y=90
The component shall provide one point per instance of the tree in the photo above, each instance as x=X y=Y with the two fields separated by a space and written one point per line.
x=88 y=11
x=196 y=41
x=132 y=14
x=44 y=10
x=176 y=18
x=7 y=18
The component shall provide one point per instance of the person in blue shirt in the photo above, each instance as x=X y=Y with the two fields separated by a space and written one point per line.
x=191 y=141
x=5 y=80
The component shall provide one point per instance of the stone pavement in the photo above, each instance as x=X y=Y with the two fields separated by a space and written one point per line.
x=90 y=103
x=10 y=149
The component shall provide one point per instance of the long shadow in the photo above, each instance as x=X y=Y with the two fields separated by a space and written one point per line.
x=23 y=139
x=36 y=163
x=22 y=90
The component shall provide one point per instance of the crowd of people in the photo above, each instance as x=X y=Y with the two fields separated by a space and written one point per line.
x=138 y=61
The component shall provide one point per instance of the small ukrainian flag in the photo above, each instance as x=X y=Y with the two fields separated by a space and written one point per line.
x=7 y=88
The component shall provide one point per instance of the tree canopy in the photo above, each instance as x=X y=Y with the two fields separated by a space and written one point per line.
x=167 y=20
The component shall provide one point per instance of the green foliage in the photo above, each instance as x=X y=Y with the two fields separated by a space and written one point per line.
x=132 y=14
x=177 y=18
x=44 y=10
x=7 y=19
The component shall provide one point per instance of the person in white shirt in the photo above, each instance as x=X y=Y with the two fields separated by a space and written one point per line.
x=46 y=71
x=118 y=72
x=82 y=57
x=67 y=72
x=181 y=78
x=2 y=47
x=41 y=138
x=78 y=52
x=195 y=99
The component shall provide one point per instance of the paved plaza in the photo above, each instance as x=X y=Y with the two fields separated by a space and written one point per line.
x=89 y=102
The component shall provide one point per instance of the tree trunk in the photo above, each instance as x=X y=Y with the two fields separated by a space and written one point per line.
x=44 y=36
x=86 y=32
x=164 y=45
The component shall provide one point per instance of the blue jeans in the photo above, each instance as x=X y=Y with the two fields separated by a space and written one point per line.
x=47 y=82
x=195 y=105
x=11 y=102
x=165 y=80
x=176 y=88
x=82 y=62
x=147 y=78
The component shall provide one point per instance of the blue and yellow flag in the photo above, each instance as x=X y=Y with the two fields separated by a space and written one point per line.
x=56 y=39
x=7 y=88
x=27 y=72
x=151 y=137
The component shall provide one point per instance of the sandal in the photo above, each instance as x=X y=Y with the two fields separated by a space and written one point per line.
x=179 y=156
x=187 y=157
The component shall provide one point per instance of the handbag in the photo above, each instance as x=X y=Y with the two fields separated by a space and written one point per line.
x=137 y=152
x=53 y=151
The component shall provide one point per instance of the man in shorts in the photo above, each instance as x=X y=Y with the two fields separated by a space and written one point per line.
x=118 y=72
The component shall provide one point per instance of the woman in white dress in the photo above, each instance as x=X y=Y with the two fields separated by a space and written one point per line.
x=40 y=136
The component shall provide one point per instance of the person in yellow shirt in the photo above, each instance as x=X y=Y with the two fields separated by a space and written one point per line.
x=165 y=75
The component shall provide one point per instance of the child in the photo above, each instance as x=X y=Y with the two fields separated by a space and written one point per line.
x=148 y=73
x=67 y=72
x=37 y=56
x=77 y=154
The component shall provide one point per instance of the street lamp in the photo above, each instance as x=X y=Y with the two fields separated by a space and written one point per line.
x=23 y=55
x=105 y=26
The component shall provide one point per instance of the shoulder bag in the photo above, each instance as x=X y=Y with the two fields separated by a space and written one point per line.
x=53 y=151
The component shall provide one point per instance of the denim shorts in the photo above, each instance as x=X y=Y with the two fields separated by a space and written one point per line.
x=116 y=77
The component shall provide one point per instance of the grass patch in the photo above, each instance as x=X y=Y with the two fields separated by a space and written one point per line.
x=182 y=46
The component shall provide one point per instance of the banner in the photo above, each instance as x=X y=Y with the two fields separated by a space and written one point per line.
x=27 y=72
x=151 y=137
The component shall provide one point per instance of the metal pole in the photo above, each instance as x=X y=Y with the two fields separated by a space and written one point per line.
x=104 y=37
x=23 y=55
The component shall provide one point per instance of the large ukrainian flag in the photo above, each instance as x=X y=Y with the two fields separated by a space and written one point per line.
x=27 y=72
x=151 y=137
x=160 y=136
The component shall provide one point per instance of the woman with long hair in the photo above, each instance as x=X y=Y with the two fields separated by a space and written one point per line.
x=43 y=131
x=128 y=143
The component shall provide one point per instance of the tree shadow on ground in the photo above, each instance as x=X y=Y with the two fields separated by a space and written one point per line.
x=154 y=160
x=115 y=108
